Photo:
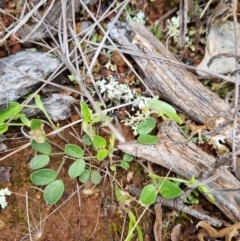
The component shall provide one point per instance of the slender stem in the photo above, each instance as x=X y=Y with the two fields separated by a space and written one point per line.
x=61 y=165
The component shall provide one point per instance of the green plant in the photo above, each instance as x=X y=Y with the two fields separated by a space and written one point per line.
x=98 y=142
x=157 y=32
x=132 y=16
x=144 y=128
x=173 y=31
x=132 y=223
x=43 y=176
x=169 y=188
x=124 y=163
x=149 y=106
x=13 y=112
x=47 y=177
x=127 y=158
x=124 y=199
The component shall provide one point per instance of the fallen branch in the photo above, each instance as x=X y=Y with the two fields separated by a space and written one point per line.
x=184 y=158
x=166 y=76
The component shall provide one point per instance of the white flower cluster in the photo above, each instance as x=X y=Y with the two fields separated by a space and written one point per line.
x=133 y=121
x=3 y=193
x=115 y=91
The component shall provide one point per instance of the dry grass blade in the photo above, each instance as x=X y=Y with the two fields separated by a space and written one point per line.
x=20 y=23
x=234 y=8
x=220 y=13
x=183 y=15
x=157 y=228
x=35 y=231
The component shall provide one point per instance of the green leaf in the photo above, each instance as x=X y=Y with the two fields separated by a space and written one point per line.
x=86 y=112
x=13 y=109
x=118 y=194
x=192 y=180
x=147 y=139
x=99 y=142
x=169 y=189
x=25 y=120
x=148 y=195
x=3 y=128
x=211 y=198
x=113 y=168
x=53 y=192
x=43 y=148
x=43 y=176
x=102 y=154
x=76 y=168
x=74 y=151
x=39 y=161
x=72 y=79
x=112 y=139
x=127 y=157
x=36 y=124
x=164 y=108
x=121 y=196
x=95 y=177
x=204 y=189
x=85 y=176
x=39 y=103
x=192 y=199
x=146 y=126
x=96 y=119
x=133 y=223
x=89 y=128
x=125 y=165
x=87 y=140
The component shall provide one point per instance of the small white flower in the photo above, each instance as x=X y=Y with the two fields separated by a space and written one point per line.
x=3 y=193
x=139 y=18
x=115 y=91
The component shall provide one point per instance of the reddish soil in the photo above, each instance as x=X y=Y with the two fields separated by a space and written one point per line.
x=75 y=217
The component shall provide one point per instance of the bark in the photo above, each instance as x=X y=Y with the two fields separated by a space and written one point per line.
x=172 y=82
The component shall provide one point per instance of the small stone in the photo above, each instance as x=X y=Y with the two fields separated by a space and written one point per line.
x=19 y=73
x=219 y=40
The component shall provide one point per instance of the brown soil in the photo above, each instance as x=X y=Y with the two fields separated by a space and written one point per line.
x=75 y=217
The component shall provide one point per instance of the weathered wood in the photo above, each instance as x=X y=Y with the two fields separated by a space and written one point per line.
x=171 y=82
x=184 y=158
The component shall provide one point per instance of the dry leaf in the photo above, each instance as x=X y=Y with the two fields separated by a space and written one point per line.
x=2 y=224
x=176 y=232
x=157 y=227
x=212 y=231
x=117 y=59
x=129 y=176
x=38 y=135
x=5 y=173
x=228 y=232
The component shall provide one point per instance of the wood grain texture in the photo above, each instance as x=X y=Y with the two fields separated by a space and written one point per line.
x=184 y=158
x=171 y=82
